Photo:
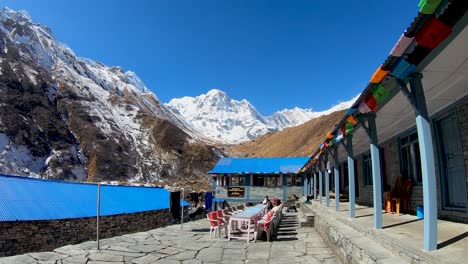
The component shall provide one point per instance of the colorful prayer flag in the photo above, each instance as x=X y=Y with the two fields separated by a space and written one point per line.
x=352 y=120
x=371 y=102
x=380 y=93
x=363 y=108
x=400 y=47
x=402 y=69
x=432 y=33
x=378 y=75
x=428 y=7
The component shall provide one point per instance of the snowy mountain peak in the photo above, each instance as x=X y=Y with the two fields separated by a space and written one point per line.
x=19 y=16
x=224 y=119
x=216 y=92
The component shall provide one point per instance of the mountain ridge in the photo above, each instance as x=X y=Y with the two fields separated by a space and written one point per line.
x=295 y=141
x=231 y=121
x=65 y=117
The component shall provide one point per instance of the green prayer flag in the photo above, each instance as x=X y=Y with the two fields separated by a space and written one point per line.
x=380 y=93
x=428 y=7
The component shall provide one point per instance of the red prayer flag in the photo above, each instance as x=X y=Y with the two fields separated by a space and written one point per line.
x=371 y=102
x=432 y=33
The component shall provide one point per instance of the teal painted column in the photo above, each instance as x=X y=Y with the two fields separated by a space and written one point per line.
x=304 y=184
x=320 y=184
x=337 y=178
x=315 y=185
x=352 y=183
x=285 y=185
x=327 y=183
x=247 y=187
x=376 y=173
x=426 y=149
x=214 y=183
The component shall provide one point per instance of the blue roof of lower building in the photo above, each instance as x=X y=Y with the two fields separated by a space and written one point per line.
x=24 y=198
x=259 y=165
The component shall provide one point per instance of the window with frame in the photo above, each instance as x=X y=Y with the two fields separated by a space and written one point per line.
x=367 y=169
x=272 y=180
x=293 y=180
x=258 y=180
x=238 y=180
x=410 y=158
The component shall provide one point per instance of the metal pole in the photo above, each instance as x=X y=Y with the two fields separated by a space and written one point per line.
x=98 y=213
x=182 y=215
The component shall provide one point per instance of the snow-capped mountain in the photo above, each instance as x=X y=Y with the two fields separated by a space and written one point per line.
x=228 y=120
x=220 y=117
x=66 y=117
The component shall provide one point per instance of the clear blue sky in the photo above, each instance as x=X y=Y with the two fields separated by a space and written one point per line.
x=276 y=54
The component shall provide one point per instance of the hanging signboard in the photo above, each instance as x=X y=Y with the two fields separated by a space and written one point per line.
x=236 y=191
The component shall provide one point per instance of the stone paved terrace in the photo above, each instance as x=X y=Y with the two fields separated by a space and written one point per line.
x=190 y=245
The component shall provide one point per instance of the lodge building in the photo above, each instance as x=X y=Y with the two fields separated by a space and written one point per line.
x=241 y=180
x=410 y=121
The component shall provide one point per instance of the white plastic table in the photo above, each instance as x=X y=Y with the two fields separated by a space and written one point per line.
x=246 y=215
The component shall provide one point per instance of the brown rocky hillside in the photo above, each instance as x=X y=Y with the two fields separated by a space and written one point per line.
x=301 y=140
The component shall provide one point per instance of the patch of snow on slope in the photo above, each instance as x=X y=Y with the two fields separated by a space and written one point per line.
x=14 y=159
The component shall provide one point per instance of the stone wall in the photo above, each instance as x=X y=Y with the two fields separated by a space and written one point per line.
x=392 y=162
x=354 y=242
x=18 y=237
x=259 y=193
x=293 y=190
x=365 y=195
x=221 y=191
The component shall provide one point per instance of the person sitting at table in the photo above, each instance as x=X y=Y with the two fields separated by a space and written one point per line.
x=266 y=200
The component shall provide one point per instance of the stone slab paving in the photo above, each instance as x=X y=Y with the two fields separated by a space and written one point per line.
x=191 y=245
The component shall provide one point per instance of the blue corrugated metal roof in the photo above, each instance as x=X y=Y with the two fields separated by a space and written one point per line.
x=259 y=165
x=36 y=199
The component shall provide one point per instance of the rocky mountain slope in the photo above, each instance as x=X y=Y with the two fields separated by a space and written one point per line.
x=226 y=120
x=301 y=140
x=66 y=117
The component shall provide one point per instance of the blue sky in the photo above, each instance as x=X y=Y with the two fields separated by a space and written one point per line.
x=276 y=54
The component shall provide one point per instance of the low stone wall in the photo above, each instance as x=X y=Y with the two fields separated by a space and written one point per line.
x=349 y=245
x=30 y=236
x=259 y=193
x=356 y=243
x=365 y=195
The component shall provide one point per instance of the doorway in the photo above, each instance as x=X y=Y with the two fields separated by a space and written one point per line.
x=452 y=167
